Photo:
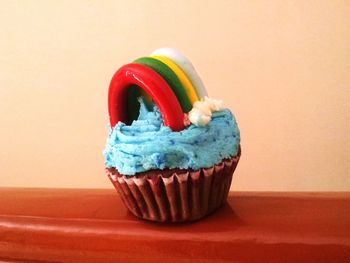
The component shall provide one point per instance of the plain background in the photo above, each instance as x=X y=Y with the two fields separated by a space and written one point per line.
x=283 y=68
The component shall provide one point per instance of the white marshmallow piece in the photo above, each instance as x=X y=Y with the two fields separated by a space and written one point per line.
x=203 y=107
x=202 y=110
x=198 y=118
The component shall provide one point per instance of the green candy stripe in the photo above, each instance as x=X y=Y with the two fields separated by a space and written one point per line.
x=171 y=78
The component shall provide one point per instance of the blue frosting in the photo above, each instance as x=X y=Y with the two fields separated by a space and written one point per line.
x=147 y=144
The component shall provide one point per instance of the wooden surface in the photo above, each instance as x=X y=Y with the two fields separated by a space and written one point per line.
x=49 y=225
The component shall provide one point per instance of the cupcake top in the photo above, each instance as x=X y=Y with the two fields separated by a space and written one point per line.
x=161 y=117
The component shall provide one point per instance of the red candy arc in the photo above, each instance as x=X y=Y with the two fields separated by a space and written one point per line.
x=153 y=84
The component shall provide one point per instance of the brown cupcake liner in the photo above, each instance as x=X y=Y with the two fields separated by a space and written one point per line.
x=175 y=195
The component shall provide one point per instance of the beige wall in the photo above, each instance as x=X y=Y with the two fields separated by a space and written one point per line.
x=283 y=67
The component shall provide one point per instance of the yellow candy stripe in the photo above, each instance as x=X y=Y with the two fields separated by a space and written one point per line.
x=186 y=83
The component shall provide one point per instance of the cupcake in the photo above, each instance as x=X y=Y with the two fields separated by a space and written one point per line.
x=171 y=150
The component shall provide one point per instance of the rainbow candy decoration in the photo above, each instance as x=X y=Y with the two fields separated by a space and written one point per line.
x=167 y=77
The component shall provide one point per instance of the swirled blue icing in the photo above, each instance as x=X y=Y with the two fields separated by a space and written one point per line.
x=147 y=144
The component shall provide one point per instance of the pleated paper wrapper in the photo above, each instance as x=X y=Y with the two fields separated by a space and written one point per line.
x=175 y=197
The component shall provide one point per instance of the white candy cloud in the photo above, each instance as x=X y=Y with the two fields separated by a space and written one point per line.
x=202 y=110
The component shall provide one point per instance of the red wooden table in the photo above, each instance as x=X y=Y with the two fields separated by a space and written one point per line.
x=70 y=225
